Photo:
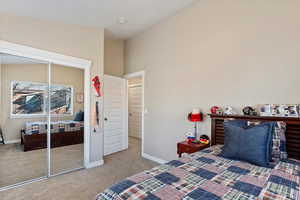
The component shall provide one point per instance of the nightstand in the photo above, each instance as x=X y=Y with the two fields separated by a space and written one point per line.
x=185 y=147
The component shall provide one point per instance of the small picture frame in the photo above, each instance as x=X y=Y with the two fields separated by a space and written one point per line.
x=276 y=110
x=265 y=110
x=279 y=110
x=290 y=110
x=79 y=98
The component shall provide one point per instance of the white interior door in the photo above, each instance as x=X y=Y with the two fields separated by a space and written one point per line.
x=115 y=114
x=135 y=93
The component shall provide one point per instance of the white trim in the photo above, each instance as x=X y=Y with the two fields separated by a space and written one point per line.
x=48 y=110
x=59 y=59
x=87 y=114
x=125 y=116
x=134 y=74
x=153 y=158
x=67 y=171
x=142 y=75
x=12 y=141
x=46 y=56
x=135 y=85
x=95 y=164
x=22 y=184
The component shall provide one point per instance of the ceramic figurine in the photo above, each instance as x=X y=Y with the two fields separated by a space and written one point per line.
x=216 y=110
x=229 y=111
x=248 y=110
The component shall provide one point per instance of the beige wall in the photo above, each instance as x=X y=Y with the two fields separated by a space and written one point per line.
x=114 y=57
x=215 y=53
x=73 y=40
x=34 y=73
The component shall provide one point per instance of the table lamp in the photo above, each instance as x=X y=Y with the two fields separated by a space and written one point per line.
x=195 y=116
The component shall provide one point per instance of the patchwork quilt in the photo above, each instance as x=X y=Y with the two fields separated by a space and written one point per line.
x=56 y=127
x=206 y=176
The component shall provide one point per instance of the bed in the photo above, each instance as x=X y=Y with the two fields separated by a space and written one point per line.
x=63 y=133
x=206 y=175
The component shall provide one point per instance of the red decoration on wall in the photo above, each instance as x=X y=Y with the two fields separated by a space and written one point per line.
x=97 y=85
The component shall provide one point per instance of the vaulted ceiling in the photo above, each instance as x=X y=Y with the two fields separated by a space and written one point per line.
x=122 y=18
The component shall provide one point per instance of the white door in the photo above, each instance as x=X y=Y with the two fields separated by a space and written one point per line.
x=135 y=93
x=115 y=114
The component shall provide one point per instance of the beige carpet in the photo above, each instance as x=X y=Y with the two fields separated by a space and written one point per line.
x=85 y=184
x=18 y=166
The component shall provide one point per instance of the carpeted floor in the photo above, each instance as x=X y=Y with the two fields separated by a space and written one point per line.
x=18 y=166
x=85 y=184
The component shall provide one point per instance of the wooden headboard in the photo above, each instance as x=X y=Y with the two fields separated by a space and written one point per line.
x=292 y=131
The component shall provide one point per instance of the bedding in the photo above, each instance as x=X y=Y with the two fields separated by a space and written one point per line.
x=279 y=143
x=206 y=176
x=56 y=127
x=252 y=144
x=278 y=149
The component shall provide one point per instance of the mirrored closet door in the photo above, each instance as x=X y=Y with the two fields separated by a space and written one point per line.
x=41 y=120
x=23 y=119
x=67 y=121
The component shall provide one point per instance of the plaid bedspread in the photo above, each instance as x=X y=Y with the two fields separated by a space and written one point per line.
x=206 y=176
x=56 y=127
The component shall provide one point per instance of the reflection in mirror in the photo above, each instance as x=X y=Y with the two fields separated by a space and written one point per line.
x=23 y=141
x=61 y=100
x=28 y=98
x=67 y=121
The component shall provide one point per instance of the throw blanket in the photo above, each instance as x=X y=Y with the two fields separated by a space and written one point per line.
x=206 y=176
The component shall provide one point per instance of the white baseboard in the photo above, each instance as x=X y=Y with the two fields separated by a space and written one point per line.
x=12 y=141
x=155 y=159
x=95 y=164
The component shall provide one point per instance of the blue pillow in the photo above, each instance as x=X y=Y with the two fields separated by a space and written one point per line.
x=272 y=126
x=238 y=122
x=79 y=116
x=251 y=144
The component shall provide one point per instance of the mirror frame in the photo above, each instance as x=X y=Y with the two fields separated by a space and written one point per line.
x=66 y=61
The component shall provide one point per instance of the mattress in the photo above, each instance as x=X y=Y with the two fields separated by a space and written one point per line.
x=206 y=176
x=40 y=127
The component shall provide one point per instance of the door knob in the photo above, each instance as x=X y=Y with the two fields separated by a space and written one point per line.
x=105 y=119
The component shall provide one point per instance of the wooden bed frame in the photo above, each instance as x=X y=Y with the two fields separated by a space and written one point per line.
x=292 y=131
x=39 y=141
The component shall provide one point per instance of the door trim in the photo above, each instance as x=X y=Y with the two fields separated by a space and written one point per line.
x=142 y=75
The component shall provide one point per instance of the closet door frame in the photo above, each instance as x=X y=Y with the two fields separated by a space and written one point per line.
x=141 y=74
x=59 y=59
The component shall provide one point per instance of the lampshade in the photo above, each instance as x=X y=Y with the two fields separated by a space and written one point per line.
x=195 y=117
x=196 y=111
